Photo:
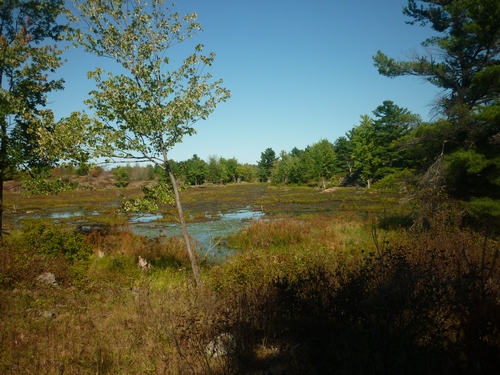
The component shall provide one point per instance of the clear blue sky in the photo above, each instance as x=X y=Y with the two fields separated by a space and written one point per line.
x=299 y=71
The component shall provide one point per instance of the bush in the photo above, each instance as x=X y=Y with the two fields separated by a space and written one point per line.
x=425 y=302
x=122 y=176
x=396 y=181
x=43 y=247
x=50 y=240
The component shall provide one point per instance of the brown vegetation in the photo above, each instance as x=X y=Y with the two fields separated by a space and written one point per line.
x=307 y=294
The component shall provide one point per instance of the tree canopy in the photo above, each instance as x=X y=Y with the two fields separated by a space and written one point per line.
x=26 y=61
x=265 y=164
x=144 y=108
x=464 y=60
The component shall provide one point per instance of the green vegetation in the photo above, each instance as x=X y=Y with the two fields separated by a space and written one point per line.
x=147 y=109
x=378 y=252
x=387 y=287
x=463 y=60
x=24 y=82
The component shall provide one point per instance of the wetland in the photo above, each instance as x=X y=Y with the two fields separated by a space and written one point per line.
x=213 y=212
x=296 y=279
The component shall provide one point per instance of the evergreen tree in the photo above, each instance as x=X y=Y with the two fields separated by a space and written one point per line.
x=463 y=60
x=265 y=164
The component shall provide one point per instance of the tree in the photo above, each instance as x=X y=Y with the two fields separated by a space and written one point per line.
x=343 y=151
x=195 y=170
x=321 y=161
x=146 y=109
x=364 y=151
x=392 y=123
x=217 y=171
x=247 y=172
x=25 y=64
x=280 y=172
x=464 y=61
x=265 y=164
x=232 y=168
x=122 y=176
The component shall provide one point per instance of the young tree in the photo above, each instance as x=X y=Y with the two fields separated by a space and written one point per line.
x=265 y=164
x=364 y=150
x=146 y=109
x=25 y=62
x=321 y=161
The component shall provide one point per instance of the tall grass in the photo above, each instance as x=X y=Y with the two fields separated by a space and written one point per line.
x=311 y=294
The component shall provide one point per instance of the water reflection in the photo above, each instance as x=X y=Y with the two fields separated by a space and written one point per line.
x=207 y=233
x=145 y=218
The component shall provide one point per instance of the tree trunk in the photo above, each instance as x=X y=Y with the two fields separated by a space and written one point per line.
x=3 y=166
x=192 y=255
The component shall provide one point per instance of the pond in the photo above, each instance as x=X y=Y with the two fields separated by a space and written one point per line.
x=209 y=234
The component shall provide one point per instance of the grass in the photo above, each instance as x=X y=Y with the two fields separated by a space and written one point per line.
x=197 y=200
x=369 y=287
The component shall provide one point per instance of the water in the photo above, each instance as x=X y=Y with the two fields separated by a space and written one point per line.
x=208 y=234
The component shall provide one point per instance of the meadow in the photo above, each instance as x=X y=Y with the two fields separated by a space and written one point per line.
x=351 y=281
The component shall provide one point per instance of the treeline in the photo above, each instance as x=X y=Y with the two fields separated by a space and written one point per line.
x=194 y=171
x=457 y=156
x=377 y=150
x=216 y=170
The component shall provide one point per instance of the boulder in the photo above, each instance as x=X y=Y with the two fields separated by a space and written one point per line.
x=47 y=278
x=143 y=264
x=222 y=345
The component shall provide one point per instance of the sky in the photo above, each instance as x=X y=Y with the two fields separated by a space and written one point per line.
x=298 y=72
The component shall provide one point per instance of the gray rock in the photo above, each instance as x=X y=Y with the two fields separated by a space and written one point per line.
x=143 y=264
x=49 y=315
x=47 y=278
x=222 y=345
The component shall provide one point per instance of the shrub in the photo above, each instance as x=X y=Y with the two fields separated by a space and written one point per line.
x=49 y=239
x=43 y=247
x=122 y=176
x=396 y=181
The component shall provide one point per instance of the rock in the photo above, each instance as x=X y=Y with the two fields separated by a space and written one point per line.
x=143 y=264
x=222 y=345
x=49 y=315
x=47 y=278
x=330 y=190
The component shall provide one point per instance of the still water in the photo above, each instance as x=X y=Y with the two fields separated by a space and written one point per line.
x=209 y=235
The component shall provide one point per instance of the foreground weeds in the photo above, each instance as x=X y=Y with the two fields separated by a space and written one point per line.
x=310 y=294
x=422 y=302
